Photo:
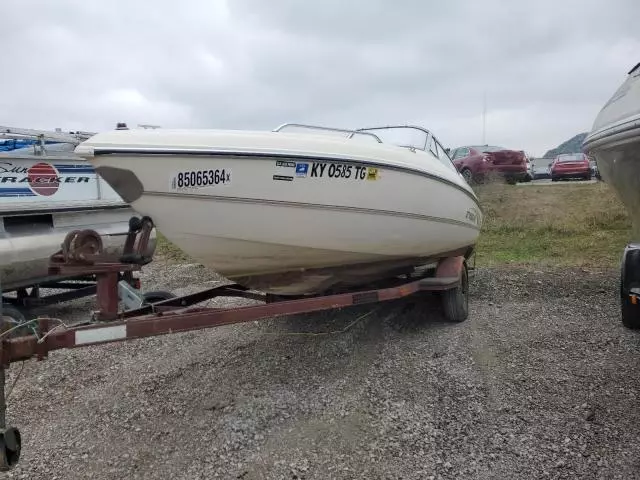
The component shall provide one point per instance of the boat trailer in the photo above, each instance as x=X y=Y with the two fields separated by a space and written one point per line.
x=81 y=253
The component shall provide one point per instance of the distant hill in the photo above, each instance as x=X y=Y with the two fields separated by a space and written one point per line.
x=573 y=145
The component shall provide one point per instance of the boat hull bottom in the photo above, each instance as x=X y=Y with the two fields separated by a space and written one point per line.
x=336 y=279
x=277 y=268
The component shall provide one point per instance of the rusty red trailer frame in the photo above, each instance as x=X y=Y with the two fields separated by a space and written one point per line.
x=81 y=252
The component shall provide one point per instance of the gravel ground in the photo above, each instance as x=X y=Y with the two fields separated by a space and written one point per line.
x=540 y=382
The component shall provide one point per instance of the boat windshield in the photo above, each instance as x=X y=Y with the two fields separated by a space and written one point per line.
x=412 y=137
x=319 y=130
x=407 y=136
x=402 y=136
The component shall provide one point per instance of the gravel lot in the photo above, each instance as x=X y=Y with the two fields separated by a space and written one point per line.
x=541 y=382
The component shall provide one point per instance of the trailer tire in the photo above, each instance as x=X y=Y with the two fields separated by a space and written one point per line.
x=630 y=314
x=156 y=296
x=10 y=448
x=455 y=302
x=14 y=316
x=630 y=278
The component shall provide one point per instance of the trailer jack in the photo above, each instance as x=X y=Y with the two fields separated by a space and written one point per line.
x=10 y=438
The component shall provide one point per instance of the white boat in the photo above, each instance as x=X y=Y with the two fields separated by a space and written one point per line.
x=296 y=212
x=614 y=142
x=45 y=193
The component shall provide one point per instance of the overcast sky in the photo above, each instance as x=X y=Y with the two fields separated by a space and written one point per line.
x=547 y=66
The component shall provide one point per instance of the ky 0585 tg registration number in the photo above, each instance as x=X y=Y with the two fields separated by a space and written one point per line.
x=201 y=178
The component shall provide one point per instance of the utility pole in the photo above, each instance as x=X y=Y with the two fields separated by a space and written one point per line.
x=484 y=117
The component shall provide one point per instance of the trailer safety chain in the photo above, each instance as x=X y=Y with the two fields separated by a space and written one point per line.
x=35 y=330
x=15 y=381
x=19 y=325
x=10 y=437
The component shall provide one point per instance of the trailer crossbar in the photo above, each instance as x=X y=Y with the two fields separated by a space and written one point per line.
x=233 y=290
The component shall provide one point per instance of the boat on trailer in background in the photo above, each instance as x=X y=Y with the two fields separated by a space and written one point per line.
x=614 y=143
x=46 y=192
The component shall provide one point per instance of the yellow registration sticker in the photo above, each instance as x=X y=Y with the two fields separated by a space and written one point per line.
x=372 y=173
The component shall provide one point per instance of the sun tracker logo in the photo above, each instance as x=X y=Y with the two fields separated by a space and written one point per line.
x=43 y=179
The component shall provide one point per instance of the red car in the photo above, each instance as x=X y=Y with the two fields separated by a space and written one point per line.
x=477 y=163
x=570 y=165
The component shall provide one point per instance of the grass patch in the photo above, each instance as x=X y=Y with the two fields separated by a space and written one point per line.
x=567 y=224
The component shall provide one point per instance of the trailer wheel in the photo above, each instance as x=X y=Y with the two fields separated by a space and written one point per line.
x=630 y=313
x=13 y=317
x=12 y=314
x=10 y=447
x=156 y=296
x=455 y=302
x=630 y=279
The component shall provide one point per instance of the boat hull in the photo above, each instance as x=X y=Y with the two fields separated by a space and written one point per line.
x=292 y=254
x=285 y=225
x=614 y=143
x=619 y=166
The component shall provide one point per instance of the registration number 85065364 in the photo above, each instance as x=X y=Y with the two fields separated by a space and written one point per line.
x=201 y=178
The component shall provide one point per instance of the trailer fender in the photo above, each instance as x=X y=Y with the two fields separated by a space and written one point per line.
x=450 y=267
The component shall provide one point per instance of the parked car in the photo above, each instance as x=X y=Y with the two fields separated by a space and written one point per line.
x=594 y=170
x=478 y=163
x=541 y=171
x=571 y=165
x=529 y=176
